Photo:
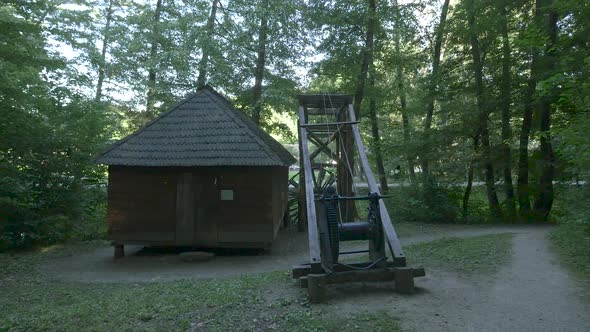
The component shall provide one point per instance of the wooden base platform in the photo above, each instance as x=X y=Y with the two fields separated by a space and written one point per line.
x=316 y=283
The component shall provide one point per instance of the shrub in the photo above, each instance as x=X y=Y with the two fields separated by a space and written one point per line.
x=437 y=204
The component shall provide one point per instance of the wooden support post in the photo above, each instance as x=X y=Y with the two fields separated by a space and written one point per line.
x=119 y=251
x=302 y=224
x=399 y=258
x=404 y=280
x=312 y=226
x=344 y=145
x=303 y=282
x=316 y=287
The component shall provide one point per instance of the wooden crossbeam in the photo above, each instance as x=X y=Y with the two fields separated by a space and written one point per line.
x=322 y=111
x=322 y=147
x=321 y=165
x=324 y=100
x=328 y=124
x=330 y=128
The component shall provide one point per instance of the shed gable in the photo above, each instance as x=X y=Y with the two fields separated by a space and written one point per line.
x=202 y=130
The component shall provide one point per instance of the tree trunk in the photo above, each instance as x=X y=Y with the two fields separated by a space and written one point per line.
x=483 y=130
x=467 y=193
x=206 y=44
x=524 y=191
x=544 y=192
x=432 y=87
x=151 y=85
x=406 y=127
x=103 y=52
x=505 y=98
x=260 y=63
x=524 y=202
x=375 y=136
x=404 y=110
x=366 y=60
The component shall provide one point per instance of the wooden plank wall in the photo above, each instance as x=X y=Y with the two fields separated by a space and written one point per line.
x=144 y=204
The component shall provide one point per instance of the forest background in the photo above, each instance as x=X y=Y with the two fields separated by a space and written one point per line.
x=476 y=110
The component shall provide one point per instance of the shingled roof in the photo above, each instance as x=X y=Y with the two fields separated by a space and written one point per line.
x=202 y=130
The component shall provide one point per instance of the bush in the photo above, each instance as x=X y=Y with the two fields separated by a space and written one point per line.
x=30 y=217
x=436 y=204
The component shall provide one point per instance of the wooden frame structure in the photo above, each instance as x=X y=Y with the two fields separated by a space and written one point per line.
x=325 y=120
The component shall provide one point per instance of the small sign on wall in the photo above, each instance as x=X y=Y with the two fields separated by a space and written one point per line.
x=227 y=195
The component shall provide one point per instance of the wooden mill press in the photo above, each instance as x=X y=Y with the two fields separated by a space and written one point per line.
x=329 y=122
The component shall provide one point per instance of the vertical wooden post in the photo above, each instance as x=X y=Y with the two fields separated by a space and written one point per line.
x=119 y=251
x=404 y=280
x=185 y=210
x=316 y=287
x=302 y=224
x=312 y=226
x=345 y=153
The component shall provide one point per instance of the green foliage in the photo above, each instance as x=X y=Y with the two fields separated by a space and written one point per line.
x=435 y=205
x=48 y=138
x=50 y=186
x=485 y=254
x=51 y=53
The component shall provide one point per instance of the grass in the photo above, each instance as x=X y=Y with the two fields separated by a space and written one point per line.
x=572 y=242
x=33 y=302
x=267 y=301
x=481 y=254
x=571 y=239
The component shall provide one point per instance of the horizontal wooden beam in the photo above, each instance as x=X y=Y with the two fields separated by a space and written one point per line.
x=328 y=124
x=323 y=112
x=330 y=129
x=299 y=271
x=324 y=100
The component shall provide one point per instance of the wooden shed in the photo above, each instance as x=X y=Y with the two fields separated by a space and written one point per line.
x=201 y=174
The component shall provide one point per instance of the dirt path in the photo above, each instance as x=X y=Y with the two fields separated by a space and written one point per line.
x=533 y=293
x=289 y=249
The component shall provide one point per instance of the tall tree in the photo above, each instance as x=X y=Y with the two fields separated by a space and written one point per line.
x=470 y=171
x=544 y=192
x=260 y=62
x=399 y=66
x=366 y=57
x=524 y=192
x=483 y=116
x=375 y=137
x=432 y=86
x=206 y=45
x=505 y=101
x=152 y=71
x=103 y=53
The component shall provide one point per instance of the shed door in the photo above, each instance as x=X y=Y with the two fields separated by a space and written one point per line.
x=196 y=210
x=185 y=217
x=206 y=209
